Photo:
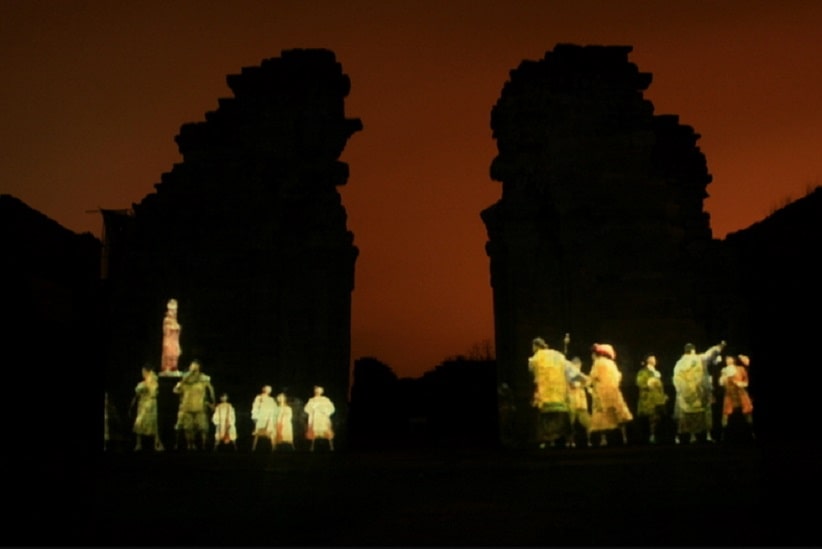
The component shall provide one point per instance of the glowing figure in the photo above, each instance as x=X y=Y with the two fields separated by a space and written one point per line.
x=734 y=379
x=196 y=394
x=652 y=397
x=609 y=409
x=320 y=409
x=224 y=419
x=552 y=373
x=694 y=392
x=171 y=339
x=264 y=416
x=284 y=435
x=145 y=398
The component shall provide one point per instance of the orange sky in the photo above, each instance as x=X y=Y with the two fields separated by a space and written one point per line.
x=93 y=94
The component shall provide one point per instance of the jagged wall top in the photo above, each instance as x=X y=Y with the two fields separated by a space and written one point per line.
x=572 y=100
x=574 y=130
x=593 y=70
x=287 y=109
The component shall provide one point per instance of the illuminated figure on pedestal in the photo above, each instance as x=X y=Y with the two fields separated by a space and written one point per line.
x=225 y=423
x=145 y=399
x=694 y=392
x=734 y=379
x=609 y=408
x=196 y=394
x=578 y=407
x=552 y=373
x=285 y=425
x=264 y=416
x=652 y=397
x=319 y=409
x=171 y=339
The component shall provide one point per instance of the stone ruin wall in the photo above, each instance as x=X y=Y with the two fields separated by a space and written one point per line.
x=600 y=231
x=248 y=232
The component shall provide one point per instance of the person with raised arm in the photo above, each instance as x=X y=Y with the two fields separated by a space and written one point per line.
x=694 y=392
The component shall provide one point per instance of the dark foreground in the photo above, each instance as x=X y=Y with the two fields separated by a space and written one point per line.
x=695 y=495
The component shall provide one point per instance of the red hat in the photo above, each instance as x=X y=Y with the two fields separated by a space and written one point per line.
x=605 y=349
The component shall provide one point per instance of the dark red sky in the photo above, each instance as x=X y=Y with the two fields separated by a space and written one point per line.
x=93 y=94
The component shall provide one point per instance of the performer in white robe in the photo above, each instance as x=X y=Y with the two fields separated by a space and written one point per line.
x=320 y=409
x=225 y=423
x=264 y=415
x=284 y=425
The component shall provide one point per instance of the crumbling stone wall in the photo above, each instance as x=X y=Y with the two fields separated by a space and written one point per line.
x=249 y=234
x=600 y=231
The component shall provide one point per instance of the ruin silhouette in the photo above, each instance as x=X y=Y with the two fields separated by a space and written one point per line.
x=600 y=231
x=248 y=234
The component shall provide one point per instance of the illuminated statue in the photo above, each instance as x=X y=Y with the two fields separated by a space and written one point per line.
x=171 y=339
x=694 y=392
x=320 y=409
x=552 y=373
x=224 y=419
x=652 y=397
x=285 y=423
x=264 y=416
x=578 y=408
x=609 y=409
x=734 y=379
x=145 y=399
x=196 y=395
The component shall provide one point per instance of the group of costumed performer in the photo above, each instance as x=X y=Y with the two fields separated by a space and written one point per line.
x=273 y=420
x=561 y=394
x=561 y=401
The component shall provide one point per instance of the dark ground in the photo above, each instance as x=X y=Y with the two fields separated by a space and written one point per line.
x=736 y=493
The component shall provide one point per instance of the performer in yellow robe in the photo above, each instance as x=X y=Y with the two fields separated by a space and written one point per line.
x=552 y=373
x=609 y=409
x=694 y=392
